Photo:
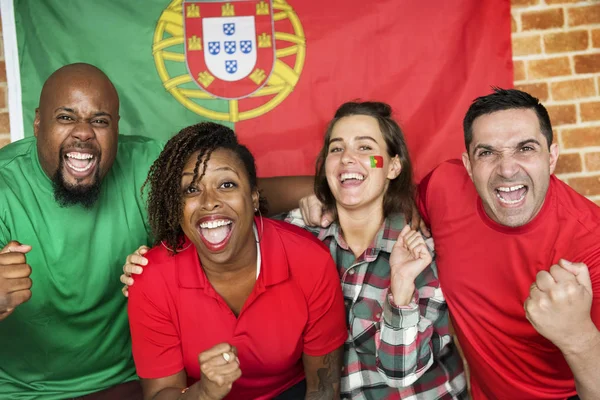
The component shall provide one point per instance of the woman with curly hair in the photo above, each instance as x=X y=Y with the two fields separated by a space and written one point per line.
x=231 y=304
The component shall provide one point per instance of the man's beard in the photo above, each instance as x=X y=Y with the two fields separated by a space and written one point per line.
x=67 y=195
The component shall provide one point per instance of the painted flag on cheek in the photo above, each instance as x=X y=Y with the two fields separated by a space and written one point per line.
x=376 y=162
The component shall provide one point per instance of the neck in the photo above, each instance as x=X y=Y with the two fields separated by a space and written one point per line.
x=359 y=227
x=241 y=265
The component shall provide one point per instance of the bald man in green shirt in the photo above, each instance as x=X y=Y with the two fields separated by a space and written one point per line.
x=70 y=212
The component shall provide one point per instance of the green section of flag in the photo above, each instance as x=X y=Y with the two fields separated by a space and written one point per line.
x=116 y=36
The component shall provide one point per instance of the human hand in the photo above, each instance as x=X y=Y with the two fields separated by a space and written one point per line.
x=219 y=368
x=133 y=265
x=408 y=259
x=559 y=305
x=15 y=281
x=416 y=222
x=313 y=212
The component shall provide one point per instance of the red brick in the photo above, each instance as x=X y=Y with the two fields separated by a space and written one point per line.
x=562 y=114
x=568 y=163
x=2 y=71
x=590 y=111
x=4 y=123
x=581 y=137
x=2 y=97
x=525 y=45
x=587 y=63
x=598 y=202
x=545 y=19
x=565 y=41
x=596 y=37
x=573 y=89
x=587 y=186
x=584 y=15
x=592 y=161
x=558 y=66
x=539 y=90
x=523 y=3
x=513 y=24
x=4 y=142
x=519 y=71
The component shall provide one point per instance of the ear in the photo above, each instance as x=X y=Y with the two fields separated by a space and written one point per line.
x=36 y=122
x=395 y=168
x=467 y=163
x=553 y=157
x=255 y=199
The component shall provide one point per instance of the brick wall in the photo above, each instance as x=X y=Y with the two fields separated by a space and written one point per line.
x=556 y=51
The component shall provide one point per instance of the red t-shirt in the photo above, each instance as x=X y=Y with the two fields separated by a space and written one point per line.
x=296 y=307
x=486 y=270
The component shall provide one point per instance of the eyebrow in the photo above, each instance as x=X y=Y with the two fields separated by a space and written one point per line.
x=216 y=169
x=72 y=110
x=518 y=145
x=357 y=138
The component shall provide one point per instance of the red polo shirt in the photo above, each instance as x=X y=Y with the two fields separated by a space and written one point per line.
x=296 y=307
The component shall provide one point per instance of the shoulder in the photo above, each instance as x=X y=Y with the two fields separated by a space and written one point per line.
x=159 y=272
x=577 y=207
x=12 y=153
x=450 y=171
x=297 y=240
x=137 y=147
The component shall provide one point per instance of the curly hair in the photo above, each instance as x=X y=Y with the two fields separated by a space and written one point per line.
x=165 y=197
x=399 y=197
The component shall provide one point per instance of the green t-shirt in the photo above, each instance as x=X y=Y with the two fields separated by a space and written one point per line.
x=72 y=337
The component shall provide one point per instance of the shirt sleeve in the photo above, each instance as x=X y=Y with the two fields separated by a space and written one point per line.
x=421 y=199
x=294 y=217
x=155 y=340
x=4 y=234
x=413 y=335
x=326 y=328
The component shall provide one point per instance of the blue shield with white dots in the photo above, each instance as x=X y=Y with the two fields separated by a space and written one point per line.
x=246 y=46
x=231 y=66
x=230 y=46
x=214 y=48
x=229 y=28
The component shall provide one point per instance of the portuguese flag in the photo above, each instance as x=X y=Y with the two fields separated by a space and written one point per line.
x=376 y=162
x=274 y=70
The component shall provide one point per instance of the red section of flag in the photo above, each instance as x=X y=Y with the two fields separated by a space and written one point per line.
x=376 y=162
x=429 y=60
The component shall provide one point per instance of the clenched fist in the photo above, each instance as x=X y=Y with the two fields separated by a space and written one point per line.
x=560 y=302
x=15 y=281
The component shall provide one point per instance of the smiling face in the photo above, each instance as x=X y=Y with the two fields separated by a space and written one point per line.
x=352 y=180
x=510 y=165
x=76 y=127
x=218 y=211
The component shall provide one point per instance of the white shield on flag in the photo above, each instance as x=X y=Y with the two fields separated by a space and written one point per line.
x=229 y=46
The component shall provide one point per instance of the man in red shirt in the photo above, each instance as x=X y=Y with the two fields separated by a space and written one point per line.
x=519 y=256
x=518 y=253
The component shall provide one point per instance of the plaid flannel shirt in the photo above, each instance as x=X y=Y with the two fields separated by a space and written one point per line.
x=391 y=352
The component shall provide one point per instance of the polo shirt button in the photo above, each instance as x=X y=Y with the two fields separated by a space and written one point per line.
x=351 y=272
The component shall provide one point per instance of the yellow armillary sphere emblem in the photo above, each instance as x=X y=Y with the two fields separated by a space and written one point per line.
x=229 y=60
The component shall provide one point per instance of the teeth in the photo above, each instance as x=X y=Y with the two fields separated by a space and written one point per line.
x=510 y=189
x=80 y=156
x=352 y=175
x=505 y=201
x=80 y=169
x=214 y=224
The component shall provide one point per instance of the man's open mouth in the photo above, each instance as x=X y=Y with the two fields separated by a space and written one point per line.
x=511 y=194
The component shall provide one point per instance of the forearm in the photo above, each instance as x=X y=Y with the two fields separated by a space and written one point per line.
x=584 y=361
x=284 y=193
x=194 y=392
x=404 y=349
x=323 y=375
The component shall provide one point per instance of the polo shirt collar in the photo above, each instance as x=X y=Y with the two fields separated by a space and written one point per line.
x=274 y=269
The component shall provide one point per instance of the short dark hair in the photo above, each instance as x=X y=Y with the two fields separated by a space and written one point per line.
x=165 y=198
x=399 y=195
x=506 y=99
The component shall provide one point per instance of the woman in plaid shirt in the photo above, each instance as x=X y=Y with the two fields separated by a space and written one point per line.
x=399 y=345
